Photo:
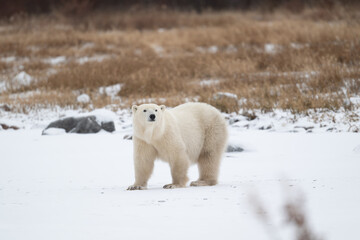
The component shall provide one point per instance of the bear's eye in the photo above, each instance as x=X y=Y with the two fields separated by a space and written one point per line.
x=144 y=110
x=155 y=110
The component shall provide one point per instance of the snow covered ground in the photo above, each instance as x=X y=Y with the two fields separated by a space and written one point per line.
x=73 y=186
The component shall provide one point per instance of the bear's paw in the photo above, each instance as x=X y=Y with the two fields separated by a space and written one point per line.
x=171 y=186
x=200 y=183
x=135 y=187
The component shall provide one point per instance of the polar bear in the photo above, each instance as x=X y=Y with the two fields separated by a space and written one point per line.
x=187 y=134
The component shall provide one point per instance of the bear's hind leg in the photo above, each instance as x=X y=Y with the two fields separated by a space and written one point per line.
x=208 y=165
x=211 y=154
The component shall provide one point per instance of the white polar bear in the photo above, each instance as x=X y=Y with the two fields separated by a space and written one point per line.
x=187 y=134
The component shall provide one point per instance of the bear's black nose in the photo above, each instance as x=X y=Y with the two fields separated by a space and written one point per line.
x=152 y=116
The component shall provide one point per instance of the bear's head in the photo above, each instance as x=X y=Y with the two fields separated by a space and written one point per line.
x=147 y=114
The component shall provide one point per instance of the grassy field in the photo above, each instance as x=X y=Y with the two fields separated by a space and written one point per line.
x=273 y=60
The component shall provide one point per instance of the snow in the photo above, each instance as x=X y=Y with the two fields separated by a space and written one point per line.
x=111 y=91
x=87 y=45
x=83 y=98
x=357 y=149
x=97 y=58
x=355 y=100
x=297 y=45
x=312 y=122
x=24 y=95
x=213 y=49
x=54 y=131
x=3 y=86
x=103 y=115
x=8 y=59
x=22 y=79
x=74 y=187
x=225 y=94
x=319 y=121
x=159 y=50
x=40 y=118
x=231 y=49
x=209 y=82
x=271 y=48
x=56 y=60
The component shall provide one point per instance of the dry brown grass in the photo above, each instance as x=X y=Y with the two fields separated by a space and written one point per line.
x=315 y=59
x=296 y=219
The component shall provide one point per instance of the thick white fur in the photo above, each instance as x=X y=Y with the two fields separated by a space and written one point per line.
x=187 y=134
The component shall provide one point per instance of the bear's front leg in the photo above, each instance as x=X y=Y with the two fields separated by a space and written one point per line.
x=144 y=158
x=179 y=167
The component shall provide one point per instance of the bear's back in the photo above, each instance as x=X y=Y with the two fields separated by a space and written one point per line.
x=195 y=122
x=202 y=112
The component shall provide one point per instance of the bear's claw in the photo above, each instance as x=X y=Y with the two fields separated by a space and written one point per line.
x=171 y=186
x=132 y=187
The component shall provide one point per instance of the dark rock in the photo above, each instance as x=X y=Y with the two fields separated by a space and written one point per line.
x=127 y=137
x=233 y=120
x=67 y=123
x=234 y=148
x=81 y=125
x=265 y=128
x=5 y=107
x=6 y=127
x=249 y=116
x=304 y=127
x=293 y=131
x=354 y=129
x=86 y=125
x=330 y=129
x=108 y=126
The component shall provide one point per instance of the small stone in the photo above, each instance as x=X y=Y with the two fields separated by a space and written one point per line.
x=265 y=128
x=108 y=126
x=234 y=148
x=249 y=116
x=304 y=127
x=5 y=107
x=233 y=120
x=7 y=127
x=127 y=137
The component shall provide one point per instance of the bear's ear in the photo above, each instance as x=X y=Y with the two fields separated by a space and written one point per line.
x=134 y=108
x=162 y=107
